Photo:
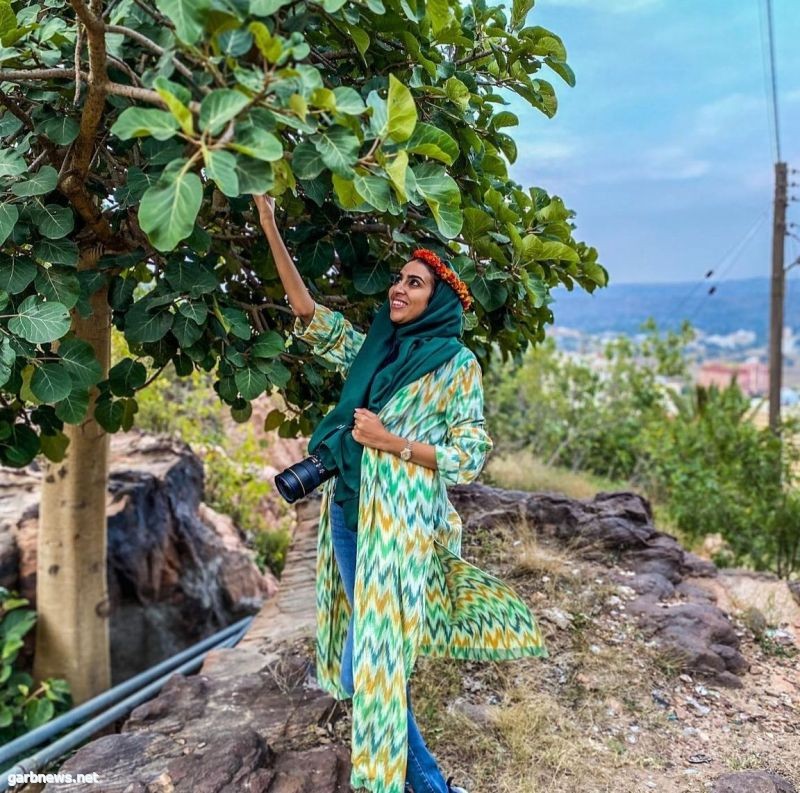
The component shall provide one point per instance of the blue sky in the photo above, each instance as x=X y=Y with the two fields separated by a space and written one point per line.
x=664 y=146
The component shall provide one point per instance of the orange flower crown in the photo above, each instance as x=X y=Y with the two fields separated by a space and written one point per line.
x=447 y=274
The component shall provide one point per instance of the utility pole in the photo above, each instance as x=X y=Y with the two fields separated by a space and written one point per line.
x=777 y=296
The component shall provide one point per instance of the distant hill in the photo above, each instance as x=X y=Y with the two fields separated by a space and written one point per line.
x=736 y=305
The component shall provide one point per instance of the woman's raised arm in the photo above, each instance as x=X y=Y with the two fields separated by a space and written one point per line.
x=299 y=297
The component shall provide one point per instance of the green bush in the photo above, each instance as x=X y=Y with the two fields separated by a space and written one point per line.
x=697 y=451
x=23 y=705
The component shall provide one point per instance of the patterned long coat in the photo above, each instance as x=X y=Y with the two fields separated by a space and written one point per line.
x=414 y=594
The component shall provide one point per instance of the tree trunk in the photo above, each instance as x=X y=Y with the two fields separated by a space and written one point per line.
x=72 y=630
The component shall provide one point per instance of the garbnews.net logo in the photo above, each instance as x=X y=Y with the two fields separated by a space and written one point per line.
x=65 y=778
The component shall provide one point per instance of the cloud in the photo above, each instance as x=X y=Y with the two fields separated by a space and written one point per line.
x=614 y=6
x=549 y=150
x=672 y=162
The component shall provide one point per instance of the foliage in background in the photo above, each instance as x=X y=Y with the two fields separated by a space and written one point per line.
x=23 y=705
x=136 y=131
x=234 y=481
x=696 y=451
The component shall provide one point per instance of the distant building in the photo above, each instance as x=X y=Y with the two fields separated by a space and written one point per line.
x=752 y=376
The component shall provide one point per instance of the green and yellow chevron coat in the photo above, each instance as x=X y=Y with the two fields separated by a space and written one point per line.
x=414 y=594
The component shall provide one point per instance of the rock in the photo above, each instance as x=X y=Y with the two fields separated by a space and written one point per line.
x=700 y=635
x=177 y=570
x=753 y=782
x=558 y=617
x=616 y=529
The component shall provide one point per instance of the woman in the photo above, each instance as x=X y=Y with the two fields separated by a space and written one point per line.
x=391 y=583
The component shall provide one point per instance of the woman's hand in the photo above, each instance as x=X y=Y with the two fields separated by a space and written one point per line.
x=368 y=429
x=266 y=208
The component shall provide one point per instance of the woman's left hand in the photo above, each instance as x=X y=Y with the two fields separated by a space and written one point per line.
x=368 y=429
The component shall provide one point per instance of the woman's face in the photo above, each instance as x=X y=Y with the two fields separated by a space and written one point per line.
x=409 y=295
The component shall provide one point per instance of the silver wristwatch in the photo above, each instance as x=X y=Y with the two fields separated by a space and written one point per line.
x=405 y=455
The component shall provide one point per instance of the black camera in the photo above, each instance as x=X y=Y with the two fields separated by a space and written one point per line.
x=298 y=480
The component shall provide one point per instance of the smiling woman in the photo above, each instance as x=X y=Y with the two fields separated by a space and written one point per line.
x=391 y=583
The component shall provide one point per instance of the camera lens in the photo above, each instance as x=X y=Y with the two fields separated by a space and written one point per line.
x=301 y=478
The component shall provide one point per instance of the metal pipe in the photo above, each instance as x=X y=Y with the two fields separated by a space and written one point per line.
x=233 y=635
x=39 y=735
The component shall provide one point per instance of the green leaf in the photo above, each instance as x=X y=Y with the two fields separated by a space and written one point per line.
x=397 y=169
x=38 y=322
x=168 y=209
x=178 y=109
x=504 y=119
x=54 y=448
x=59 y=285
x=439 y=14
x=221 y=167
x=22 y=447
x=60 y=129
x=139 y=122
x=251 y=382
x=142 y=325
x=9 y=215
x=269 y=46
x=16 y=273
x=519 y=12
x=42 y=182
x=490 y=293
x=374 y=190
x=338 y=148
x=78 y=358
x=7 y=359
x=57 y=252
x=255 y=176
x=72 y=409
x=315 y=258
x=433 y=142
x=126 y=377
x=401 y=111
x=562 y=70
x=360 y=39
x=51 y=382
x=109 y=414
x=266 y=8
x=267 y=345
x=349 y=101
x=188 y=276
x=54 y=221
x=186 y=331
x=457 y=92
x=307 y=162
x=219 y=107
x=11 y=164
x=194 y=310
x=371 y=277
x=442 y=195
x=258 y=143
x=188 y=16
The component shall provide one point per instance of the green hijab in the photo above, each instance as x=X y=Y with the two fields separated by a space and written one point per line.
x=391 y=356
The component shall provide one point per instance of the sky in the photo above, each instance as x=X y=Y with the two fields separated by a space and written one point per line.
x=665 y=146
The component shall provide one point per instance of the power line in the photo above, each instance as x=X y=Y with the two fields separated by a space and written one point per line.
x=774 y=78
x=769 y=65
x=734 y=255
x=734 y=251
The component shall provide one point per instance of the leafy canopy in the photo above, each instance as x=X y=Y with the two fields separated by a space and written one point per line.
x=136 y=131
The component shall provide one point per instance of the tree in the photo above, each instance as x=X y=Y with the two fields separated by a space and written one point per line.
x=135 y=132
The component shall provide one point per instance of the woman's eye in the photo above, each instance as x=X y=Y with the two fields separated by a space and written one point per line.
x=395 y=278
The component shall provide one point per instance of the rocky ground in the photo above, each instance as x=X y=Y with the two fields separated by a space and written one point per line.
x=663 y=675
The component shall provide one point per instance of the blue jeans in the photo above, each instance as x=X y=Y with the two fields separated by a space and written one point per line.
x=422 y=771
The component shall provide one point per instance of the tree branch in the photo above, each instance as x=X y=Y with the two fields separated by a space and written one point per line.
x=153 y=47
